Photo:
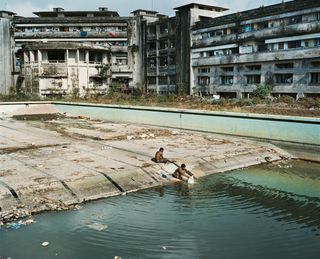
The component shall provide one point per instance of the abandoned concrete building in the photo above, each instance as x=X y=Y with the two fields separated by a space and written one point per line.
x=6 y=51
x=63 y=52
x=167 y=48
x=198 y=51
x=276 y=45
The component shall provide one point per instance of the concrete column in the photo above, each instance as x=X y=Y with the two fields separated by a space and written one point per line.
x=39 y=61
x=78 y=68
x=31 y=55
x=87 y=61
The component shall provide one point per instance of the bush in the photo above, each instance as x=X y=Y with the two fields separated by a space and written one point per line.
x=262 y=91
x=287 y=99
x=310 y=102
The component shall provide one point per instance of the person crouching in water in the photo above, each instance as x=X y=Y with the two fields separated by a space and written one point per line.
x=158 y=158
x=182 y=173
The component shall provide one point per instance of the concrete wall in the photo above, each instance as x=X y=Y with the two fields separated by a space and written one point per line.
x=280 y=128
x=5 y=56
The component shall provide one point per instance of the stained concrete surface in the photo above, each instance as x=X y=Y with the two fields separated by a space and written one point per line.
x=55 y=164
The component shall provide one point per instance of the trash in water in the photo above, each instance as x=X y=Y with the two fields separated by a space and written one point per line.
x=191 y=180
x=44 y=244
x=164 y=248
x=117 y=257
x=14 y=226
x=97 y=226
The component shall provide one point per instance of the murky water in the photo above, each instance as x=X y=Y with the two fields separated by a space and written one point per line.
x=262 y=212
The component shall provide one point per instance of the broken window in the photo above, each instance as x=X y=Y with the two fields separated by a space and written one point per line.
x=172 y=60
x=164 y=29
x=152 y=62
x=163 y=80
x=254 y=67
x=56 y=55
x=315 y=78
x=284 y=78
x=294 y=44
x=226 y=80
x=172 y=80
x=163 y=61
x=227 y=69
x=152 y=46
x=253 y=79
x=163 y=44
x=152 y=80
x=285 y=66
x=203 y=80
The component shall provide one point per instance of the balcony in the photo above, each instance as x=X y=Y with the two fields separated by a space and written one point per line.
x=283 y=31
x=271 y=56
x=119 y=49
x=76 y=34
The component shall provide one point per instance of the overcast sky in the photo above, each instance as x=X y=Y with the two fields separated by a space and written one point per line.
x=124 y=7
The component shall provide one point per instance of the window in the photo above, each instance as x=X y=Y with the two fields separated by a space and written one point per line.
x=284 y=78
x=253 y=79
x=203 y=80
x=228 y=69
x=281 y=45
x=204 y=70
x=254 y=67
x=172 y=80
x=163 y=61
x=163 y=80
x=315 y=78
x=226 y=80
x=294 y=44
x=285 y=66
x=172 y=60
x=152 y=81
x=152 y=62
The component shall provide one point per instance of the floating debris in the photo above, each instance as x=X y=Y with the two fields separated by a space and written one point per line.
x=45 y=244
x=97 y=226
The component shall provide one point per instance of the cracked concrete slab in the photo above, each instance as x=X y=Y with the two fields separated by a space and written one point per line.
x=57 y=163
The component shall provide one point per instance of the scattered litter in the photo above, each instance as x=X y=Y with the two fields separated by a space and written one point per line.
x=45 y=244
x=163 y=174
x=124 y=193
x=14 y=226
x=97 y=226
x=131 y=137
x=151 y=135
x=106 y=148
x=143 y=136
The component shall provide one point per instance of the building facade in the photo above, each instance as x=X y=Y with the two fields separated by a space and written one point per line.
x=6 y=52
x=63 y=52
x=167 y=48
x=198 y=51
x=276 y=45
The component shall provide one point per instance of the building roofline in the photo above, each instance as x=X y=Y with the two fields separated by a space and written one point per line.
x=255 y=13
x=75 y=12
x=221 y=9
x=143 y=10
x=7 y=12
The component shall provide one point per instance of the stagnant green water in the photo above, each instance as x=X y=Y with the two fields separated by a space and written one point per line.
x=261 y=212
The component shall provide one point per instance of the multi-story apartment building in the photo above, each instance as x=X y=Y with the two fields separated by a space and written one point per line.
x=167 y=48
x=277 y=45
x=6 y=50
x=63 y=52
